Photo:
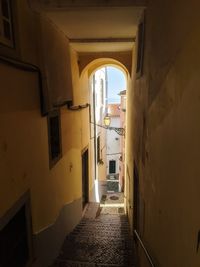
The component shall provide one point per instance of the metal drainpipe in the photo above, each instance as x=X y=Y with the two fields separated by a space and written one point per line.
x=94 y=119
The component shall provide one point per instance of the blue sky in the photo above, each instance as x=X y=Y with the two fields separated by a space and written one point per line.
x=116 y=83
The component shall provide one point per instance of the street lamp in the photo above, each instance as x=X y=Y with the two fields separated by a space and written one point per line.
x=107 y=120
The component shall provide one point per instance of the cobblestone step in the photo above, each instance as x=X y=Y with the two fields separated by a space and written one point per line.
x=105 y=228
x=69 y=263
x=101 y=241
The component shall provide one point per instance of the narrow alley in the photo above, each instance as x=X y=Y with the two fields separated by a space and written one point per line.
x=101 y=239
x=99 y=133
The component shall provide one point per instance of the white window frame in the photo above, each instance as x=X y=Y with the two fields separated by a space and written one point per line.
x=3 y=19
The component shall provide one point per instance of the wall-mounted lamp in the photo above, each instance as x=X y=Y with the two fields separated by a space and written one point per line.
x=118 y=130
x=107 y=121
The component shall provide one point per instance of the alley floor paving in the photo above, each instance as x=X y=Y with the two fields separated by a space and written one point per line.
x=102 y=240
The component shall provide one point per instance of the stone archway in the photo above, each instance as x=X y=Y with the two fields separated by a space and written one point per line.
x=92 y=62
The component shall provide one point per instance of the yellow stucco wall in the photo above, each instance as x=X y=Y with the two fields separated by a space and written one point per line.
x=24 y=135
x=81 y=96
x=166 y=142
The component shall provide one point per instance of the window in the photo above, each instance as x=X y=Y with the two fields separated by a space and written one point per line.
x=98 y=149
x=140 y=50
x=54 y=131
x=6 y=29
x=102 y=91
x=112 y=166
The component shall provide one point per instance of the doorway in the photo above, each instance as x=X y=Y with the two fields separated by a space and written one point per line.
x=85 y=179
x=112 y=166
x=16 y=235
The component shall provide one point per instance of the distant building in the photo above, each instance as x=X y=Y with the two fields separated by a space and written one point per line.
x=122 y=139
x=113 y=142
x=99 y=107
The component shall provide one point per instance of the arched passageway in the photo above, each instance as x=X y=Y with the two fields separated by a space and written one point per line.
x=108 y=121
x=102 y=106
x=101 y=236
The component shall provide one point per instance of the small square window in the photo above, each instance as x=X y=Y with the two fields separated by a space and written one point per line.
x=54 y=132
x=6 y=29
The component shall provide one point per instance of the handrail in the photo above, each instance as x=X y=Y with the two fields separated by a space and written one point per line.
x=145 y=250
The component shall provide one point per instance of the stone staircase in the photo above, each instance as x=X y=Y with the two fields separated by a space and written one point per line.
x=98 y=241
